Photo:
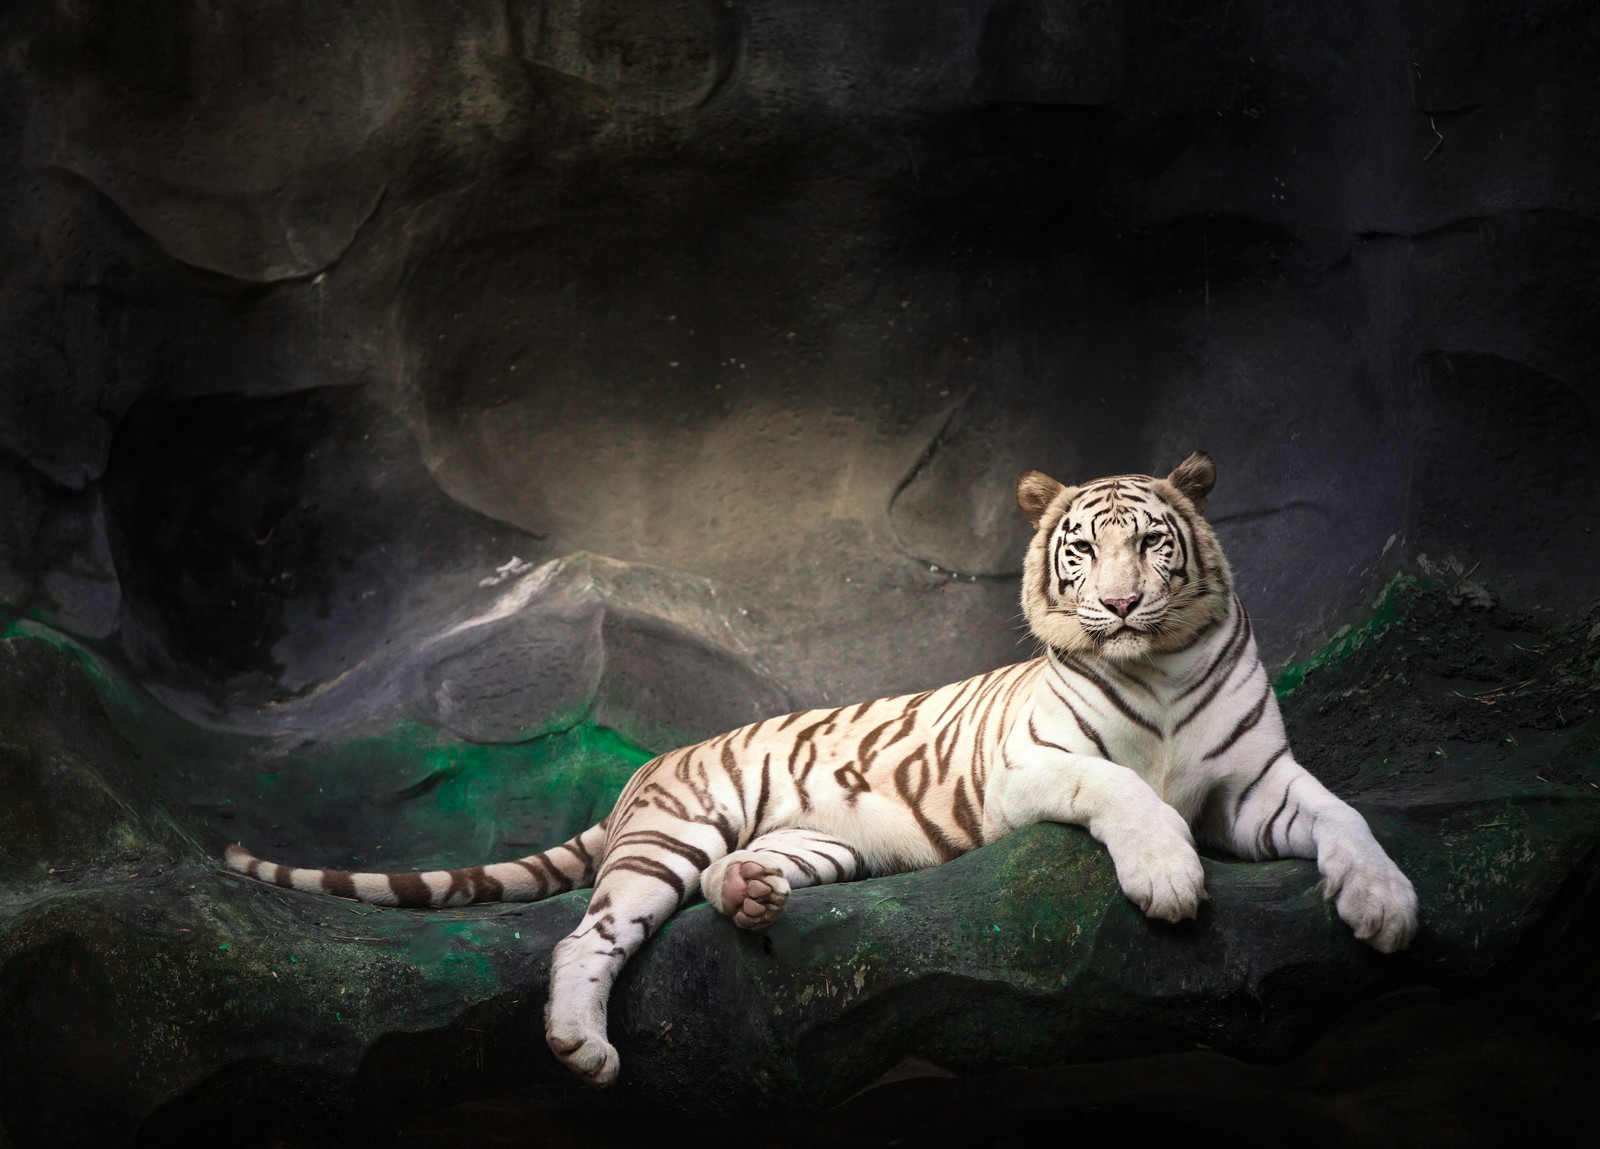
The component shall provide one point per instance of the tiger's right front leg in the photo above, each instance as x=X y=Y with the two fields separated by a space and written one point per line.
x=647 y=874
x=1149 y=842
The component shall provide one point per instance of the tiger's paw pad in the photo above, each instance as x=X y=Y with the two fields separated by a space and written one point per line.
x=753 y=893
x=592 y=1058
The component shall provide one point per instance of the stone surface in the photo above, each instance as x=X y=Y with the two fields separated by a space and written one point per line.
x=142 y=992
x=777 y=296
x=411 y=411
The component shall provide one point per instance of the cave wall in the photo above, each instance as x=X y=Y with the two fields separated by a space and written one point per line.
x=414 y=413
x=313 y=317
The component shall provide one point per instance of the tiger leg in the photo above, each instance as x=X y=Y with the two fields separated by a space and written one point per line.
x=1284 y=812
x=752 y=885
x=647 y=874
x=1149 y=841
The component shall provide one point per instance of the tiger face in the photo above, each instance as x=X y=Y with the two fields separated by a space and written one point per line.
x=1122 y=567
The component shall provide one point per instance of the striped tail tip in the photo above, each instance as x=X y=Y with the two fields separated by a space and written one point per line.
x=238 y=858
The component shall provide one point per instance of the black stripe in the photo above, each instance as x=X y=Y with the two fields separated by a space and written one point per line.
x=902 y=781
x=1265 y=842
x=475 y=885
x=1239 y=624
x=484 y=887
x=804 y=738
x=664 y=799
x=410 y=890
x=966 y=817
x=697 y=858
x=1183 y=546
x=576 y=846
x=563 y=883
x=719 y=822
x=1033 y=732
x=761 y=798
x=1254 y=782
x=1197 y=637
x=1124 y=676
x=1226 y=673
x=1194 y=533
x=800 y=863
x=864 y=747
x=1246 y=724
x=858 y=863
x=960 y=695
x=1089 y=731
x=338 y=883
x=534 y=873
x=730 y=763
x=650 y=868
x=1047 y=568
x=1111 y=693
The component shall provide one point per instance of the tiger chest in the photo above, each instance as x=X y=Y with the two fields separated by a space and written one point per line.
x=1170 y=757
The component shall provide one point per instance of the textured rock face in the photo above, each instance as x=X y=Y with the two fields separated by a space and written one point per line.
x=416 y=410
x=144 y=993
x=312 y=318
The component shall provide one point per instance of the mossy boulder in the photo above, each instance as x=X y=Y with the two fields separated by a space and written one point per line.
x=144 y=994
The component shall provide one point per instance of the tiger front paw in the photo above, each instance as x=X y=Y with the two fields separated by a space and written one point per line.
x=751 y=891
x=1158 y=868
x=1371 y=894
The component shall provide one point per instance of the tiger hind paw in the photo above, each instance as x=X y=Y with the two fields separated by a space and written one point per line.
x=592 y=1058
x=750 y=890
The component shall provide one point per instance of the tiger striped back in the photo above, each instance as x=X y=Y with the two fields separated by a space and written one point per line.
x=1148 y=717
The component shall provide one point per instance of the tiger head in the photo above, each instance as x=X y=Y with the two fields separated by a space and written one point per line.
x=1123 y=567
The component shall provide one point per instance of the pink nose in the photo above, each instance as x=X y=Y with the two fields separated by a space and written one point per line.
x=1121 y=606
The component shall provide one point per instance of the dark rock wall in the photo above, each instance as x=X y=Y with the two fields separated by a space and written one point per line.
x=313 y=316
x=453 y=402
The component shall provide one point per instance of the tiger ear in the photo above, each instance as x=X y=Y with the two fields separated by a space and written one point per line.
x=1195 y=477
x=1035 y=492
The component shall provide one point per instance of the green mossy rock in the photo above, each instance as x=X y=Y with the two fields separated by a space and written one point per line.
x=144 y=994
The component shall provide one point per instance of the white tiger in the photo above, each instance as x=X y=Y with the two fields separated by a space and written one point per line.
x=1148 y=714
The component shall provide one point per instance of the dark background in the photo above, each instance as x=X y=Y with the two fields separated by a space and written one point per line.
x=314 y=316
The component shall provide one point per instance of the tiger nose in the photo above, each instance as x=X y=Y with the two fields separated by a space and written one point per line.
x=1121 y=606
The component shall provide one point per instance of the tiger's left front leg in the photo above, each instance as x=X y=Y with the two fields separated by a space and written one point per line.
x=1280 y=810
x=1149 y=841
x=650 y=868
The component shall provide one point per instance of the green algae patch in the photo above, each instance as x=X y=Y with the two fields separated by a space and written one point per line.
x=414 y=797
x=582 y=770
x=1386 y=607
x=410 y=796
